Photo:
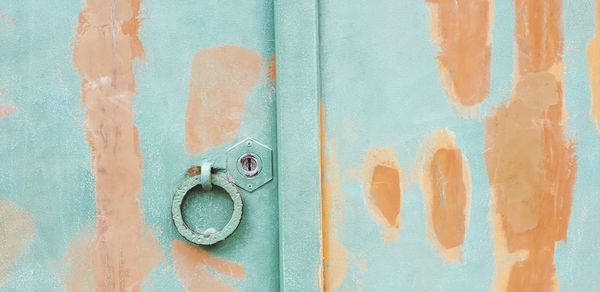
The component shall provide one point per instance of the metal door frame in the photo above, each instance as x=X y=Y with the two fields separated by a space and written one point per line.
x=298 y=159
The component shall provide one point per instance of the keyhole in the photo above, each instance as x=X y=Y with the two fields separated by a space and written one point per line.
x=249 y=164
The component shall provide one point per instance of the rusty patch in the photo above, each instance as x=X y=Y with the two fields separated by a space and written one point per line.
x=273 y=69
x=530 y=164
x=201 y=271
x=17 y=230
x=123 y=250
x=538 y=34
x=532 y=171
x=80 y=274
x=446 y=185
x=381 y=176
x=462 y=30
x=221 y=79
x=335 y=255
x=593 y=54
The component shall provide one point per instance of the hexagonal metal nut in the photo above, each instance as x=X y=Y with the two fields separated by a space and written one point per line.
x=264 y=159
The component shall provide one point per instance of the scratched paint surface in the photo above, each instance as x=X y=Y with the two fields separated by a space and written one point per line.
x=498 y=181
x=94 y=105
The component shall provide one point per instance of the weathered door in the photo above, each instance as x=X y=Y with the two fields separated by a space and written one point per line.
x=424 y=145
x=104 y=106
x=460 y=144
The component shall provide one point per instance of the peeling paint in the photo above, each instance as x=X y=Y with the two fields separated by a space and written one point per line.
x=462 y=29
x=335 y=255
x=532 y=168
x=539 y=37
x=123 y=250
x=593 y=54
x=17 y=230
x=220 y=82
x=530 y=164
x=381 y=177
x=445 y=181
x=201 y=271
x=80 y=274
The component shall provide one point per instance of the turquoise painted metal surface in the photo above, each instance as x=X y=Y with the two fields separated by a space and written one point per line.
x=417 y=145
x=387 y=111
x=52 y=220
x=296 y=34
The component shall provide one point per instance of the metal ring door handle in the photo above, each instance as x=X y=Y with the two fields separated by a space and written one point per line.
x=210 y=236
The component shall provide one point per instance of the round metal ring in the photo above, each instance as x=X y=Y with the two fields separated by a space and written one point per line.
x=207 y=238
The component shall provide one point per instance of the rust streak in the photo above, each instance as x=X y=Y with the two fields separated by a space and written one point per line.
x=335 y=255
x=17 y=231
x=221 y=79
x=197 y=268
x=593 y=54
x=530 y=163
x=462 y=30
x=273 y=69
x=123 y=250
x=446 y=184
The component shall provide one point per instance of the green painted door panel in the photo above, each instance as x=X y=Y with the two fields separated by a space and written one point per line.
x=104 y=106
x=431 y=145
x=460 y=148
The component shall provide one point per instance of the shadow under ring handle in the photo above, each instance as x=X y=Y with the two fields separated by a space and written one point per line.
x=209 y=237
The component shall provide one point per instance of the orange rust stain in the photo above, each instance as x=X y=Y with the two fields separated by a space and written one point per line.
x=273 y=69
x=17 y=230
x=80 y=275
x=221 y=79
x=385 y=192
x=7 y=110
x=335 y=255
x=383 y=189
x=462 y=30
x=124 y=250
x=530 y=164
x=446 y=184
x=196 y=268
x=593 y=53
